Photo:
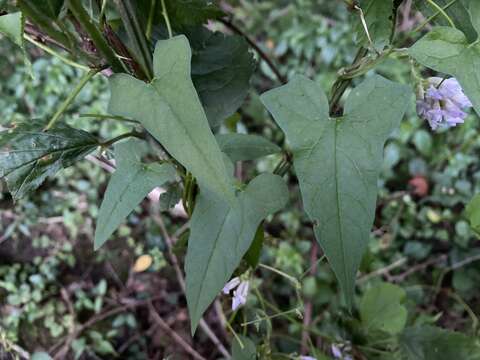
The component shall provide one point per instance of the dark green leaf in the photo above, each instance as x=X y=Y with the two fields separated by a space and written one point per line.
x=457 y=11
x=247 y=352
x=169 y=108
x=129 y=185
x=221 y=71
x=252 y=257
x=338 y=161
x=381 y=309
x=379 y=19
x=432 y=343
x=29 y=155
x=221 y=234
x=50 y=8
x=184 y=13
x=240 y=147
x=447 y=50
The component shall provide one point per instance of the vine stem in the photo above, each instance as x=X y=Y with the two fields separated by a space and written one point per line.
x=167 y=19
x=424 y=23
x=83 y=81
x=442 y=11
x=54 y=53
x=121 y=137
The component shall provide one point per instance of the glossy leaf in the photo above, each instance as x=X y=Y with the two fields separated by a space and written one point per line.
x=337 y=161
x=221 y=71
x=169 y=108
x=432 y=343
x=240 y=147
x=28 y=155
x=379 y=19
x=447 y=50
x=128 y=186
x=381 y=309
x=246 y=352
x=221 y=234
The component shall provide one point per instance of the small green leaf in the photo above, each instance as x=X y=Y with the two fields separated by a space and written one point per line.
x=240 y=147
x=221 y=70
x=379 y=19
x=129 y=185
x=169 y=108
x=423 y=142
x=381 y=309
x=472 y=212
x=221 y=234
x=29 y=155
x=11 y=25
x=433 y=343
x=338 y=161
x=246 y=352
x=447 y=50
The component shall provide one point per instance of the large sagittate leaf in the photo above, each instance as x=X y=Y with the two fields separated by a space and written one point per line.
x=169 y=108
x=338 y=160
x=381 y=309
x=129 y=185
x=221 y=71
x=447 y=50
x=379 y=19
x=28 y=155
x=241 y=147
x=461 y=12
x=433 y=343
x=220 y=234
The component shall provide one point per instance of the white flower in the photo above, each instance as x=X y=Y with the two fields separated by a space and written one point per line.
x=336 y=352
x=240 y=292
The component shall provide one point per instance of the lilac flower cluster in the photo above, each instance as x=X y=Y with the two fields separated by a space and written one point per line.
x=443 y=104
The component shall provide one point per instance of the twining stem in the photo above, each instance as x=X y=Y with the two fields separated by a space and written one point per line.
x=109 y=117
x=54 y=53
x=167 y=19
x=365 y=27
x=441 y=11
x=85 y=78
x=121 y=137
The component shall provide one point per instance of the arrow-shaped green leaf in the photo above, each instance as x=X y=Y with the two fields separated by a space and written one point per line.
x=338 y=160
x=169 y=108
x=221 y=234
x=129 y=185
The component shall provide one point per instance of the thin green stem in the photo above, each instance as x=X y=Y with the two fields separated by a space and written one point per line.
x=101 y=44
x=83 y=81
x=109 y=117
x=167 y=19
x=290 y=278
x=148 y=32
x=54 y=53
x=424 y=23
x=283 y=313
x=441 y=11
x=121 y=137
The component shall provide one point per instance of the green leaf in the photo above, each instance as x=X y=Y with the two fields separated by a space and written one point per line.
x=447 y=50
x=472 y=212
x=240 y=147
x=381 y=309
x=50 y=8
x=432 y=343
x=247 y=352
x=11 y=25
x=129 y=185
x=29 y=155
x=252 y=256
x=184 y=13
x=221 y=70
x=169 y=108
x=379 y=19
x=222 y=233
x=337 y=161
x=423 y=142
x=458 y=12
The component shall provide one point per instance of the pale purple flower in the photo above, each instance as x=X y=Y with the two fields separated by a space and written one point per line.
x=336 y=352
x=443 y=104
x=339 y=351
x=240 y=292
x=303 y=357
